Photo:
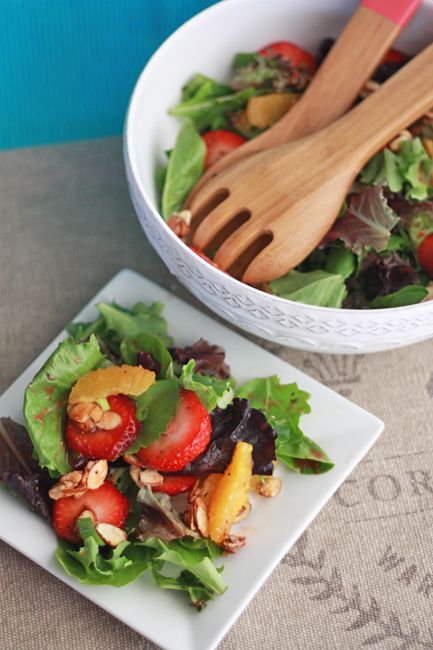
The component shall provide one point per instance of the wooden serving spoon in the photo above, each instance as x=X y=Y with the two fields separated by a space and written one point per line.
x=267 y=212
x=351 y=61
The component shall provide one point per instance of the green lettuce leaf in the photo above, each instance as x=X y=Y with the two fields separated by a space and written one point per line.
x=303 y=456
x=408 y=295
x=202 y=87
x=211 y=391
x=282 y=404
x=155 y=409
x=121 y=566
x=46 y=397
x=207 y=108
x=130 y=322
x=408 y=169
x=340 y=261
x=82 y=331
x=198 y=575
x=146 y=342
x=312 y=288
x=185 y=166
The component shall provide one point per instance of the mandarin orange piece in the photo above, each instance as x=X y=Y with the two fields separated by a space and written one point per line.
x=231 y=493
x=114 y=380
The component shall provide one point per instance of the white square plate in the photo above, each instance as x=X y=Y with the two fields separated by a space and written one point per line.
x=344 y=430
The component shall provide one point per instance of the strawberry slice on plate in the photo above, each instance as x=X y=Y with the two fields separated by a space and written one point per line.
x=187 y=435
x=106 y=503
x=103 y=443
x=176 y=484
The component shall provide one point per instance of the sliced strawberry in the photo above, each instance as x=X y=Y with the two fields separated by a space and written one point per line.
x=187 y=435
x=425 y=255
x=176 y=484
x=295 y=55
x=102 y=443
x=395 y=56
x=218 y=144
x=107 y=504
x=203 y=256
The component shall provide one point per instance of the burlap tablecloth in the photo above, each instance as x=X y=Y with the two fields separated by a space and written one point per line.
x=361 y=576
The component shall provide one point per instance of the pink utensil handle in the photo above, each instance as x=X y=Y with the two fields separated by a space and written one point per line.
x=397 y=11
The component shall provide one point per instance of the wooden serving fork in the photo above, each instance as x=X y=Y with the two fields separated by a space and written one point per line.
x=267 y=212
x=359 y=50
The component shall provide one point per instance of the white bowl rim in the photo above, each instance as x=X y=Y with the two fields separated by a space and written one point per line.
x=129 y=143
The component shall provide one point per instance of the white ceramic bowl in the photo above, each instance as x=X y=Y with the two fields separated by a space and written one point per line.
x=206 y=44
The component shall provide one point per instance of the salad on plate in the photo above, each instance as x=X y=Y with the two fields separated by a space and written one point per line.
x=146 y=457
x=379 y=252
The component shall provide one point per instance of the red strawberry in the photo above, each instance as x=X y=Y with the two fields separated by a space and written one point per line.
x=187 y=435
x=219 y=143
x=176 y=484
x=108 y=505
x=290 y=52
x=101 y=443
x=425 y=255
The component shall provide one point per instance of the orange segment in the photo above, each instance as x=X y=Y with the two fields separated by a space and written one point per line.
x=231 y=492
x=115 y=380
x=208 y=488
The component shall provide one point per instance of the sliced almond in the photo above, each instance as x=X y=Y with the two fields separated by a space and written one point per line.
x=68 y=485
x=112 y=535
x=232 y=543
x=267 y=486
x=95 y=473
x=88 y=514
x=200 y=517
x=143 y=477
x=132 y=459
x=109 y=420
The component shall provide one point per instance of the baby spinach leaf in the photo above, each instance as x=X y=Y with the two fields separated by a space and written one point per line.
x=119 y=567
x=129 y=322
x=155 y=409
x=201 y=87
x=185 y=166
x=211 y=391
x=146 y=342
x=303 y=456
x=340 y=261
x=46 y=397
x=198 y=575
x=409 y=295
x=282 y=404
x=209 y=111
x=312 y=288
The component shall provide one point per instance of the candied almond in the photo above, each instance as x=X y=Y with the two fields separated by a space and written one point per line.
x=233 y=542
x=200 y=517
x=95 y=473
x=112 y=535
x=243 y=512
x=109 y=420
x=88 y=514
x=143 y=477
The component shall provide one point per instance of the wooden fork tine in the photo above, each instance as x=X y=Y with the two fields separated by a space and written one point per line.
x=235 y=245
x=215 y=221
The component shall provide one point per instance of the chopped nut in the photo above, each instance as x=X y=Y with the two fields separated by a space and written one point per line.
x=143 y=477
x=179 y=223
x=428 y=146
x=403 y=136
x=233 y=542
x=188 y=518
x=200 y=517
x=95 y=474
x=243 y=512
x=132 y=459
x=112 y=535
x=68 y=485
x=109 y=420
x=88 y=514
x=267 y=486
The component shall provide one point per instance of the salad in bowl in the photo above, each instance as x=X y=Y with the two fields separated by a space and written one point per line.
x=147 y=457
x=379 y=252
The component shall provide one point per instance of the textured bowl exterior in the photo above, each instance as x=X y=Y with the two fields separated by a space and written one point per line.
x=292 y=324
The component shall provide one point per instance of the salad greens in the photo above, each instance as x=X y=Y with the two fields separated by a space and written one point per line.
x=263 y=412
x=185 y=166
x=46 y=398
x=373 y=219
x=211 y=391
